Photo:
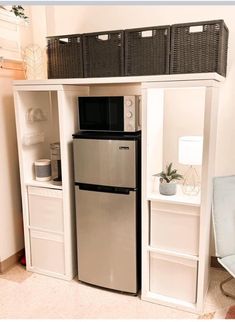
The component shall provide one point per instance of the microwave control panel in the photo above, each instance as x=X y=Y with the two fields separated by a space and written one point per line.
x=131 y=113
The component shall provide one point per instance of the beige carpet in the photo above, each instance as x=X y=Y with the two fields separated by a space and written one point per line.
x=217 y=305
x=26 y=295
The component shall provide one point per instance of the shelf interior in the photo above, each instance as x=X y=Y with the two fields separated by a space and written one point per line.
x=39 y=122
x=172 y=113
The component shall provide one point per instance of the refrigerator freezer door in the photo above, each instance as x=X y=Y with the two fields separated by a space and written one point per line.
x=106 y=230
x=105 y=162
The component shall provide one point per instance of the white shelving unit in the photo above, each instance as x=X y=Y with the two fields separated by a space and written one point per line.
x=50 y=244
x=175 y=230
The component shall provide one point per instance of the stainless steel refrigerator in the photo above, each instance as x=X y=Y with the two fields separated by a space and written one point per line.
x=107 y=190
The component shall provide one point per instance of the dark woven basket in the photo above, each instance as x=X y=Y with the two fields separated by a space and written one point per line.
x=147 y=51
x=103 y=54
x=64 y=56
x=199 y=51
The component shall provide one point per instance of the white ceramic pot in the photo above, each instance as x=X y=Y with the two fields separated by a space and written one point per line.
x=168 y=189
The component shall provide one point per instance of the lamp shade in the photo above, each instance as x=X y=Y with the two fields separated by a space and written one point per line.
x=190 y=150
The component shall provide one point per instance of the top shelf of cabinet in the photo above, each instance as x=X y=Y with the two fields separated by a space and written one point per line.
x=124 y=79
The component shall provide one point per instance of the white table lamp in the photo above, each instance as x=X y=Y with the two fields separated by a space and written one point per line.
x=190 y=153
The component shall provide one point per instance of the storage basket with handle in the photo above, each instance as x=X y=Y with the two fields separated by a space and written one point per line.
x=103 y=54
x=64 y=55
x=147 y=51
x=199 y=47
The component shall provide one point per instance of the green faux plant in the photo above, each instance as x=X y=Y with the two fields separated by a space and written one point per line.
x=19 y=12
x=169 y=175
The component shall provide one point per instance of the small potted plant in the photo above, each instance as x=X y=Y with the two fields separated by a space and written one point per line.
x=168 y=178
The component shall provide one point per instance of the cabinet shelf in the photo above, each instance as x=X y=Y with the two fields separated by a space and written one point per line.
x=43 y=184
x=179 y=198
x=125 y=79
x=172 y=253
x=45 y=230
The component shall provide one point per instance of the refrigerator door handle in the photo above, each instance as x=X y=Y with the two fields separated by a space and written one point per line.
x=107 y=189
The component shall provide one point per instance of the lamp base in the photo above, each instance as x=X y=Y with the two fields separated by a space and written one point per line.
x=191 y=184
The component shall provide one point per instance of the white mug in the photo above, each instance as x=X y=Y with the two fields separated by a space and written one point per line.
x=43 y=170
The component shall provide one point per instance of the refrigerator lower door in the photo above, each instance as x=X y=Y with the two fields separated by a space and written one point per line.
x=105 y=162
x=106 y=230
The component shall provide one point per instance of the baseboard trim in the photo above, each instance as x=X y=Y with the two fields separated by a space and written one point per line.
x=215 y=263
x=10 y=261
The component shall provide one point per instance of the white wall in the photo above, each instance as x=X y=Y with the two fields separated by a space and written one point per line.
x=61 y=20
x=11 y=228
x=183 y=116
x=11 y=220
x=26 y=29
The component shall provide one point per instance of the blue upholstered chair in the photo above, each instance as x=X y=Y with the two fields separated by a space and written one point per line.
x=223 y=215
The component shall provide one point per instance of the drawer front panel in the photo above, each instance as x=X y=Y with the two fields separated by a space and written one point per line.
x=173 y=276
x=47 y=252
x=172 y=207
x=46 y=209
x=174 y=231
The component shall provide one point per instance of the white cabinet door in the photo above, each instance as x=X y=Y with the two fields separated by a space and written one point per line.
x=174 y=229
x=173 y=276
x=46 y=209
x=47 y=252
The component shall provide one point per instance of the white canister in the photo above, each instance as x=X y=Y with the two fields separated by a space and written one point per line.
x=43 y=170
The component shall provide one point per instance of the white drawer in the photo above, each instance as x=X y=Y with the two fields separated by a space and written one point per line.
x=173 y=276
x=45 y=209
x=173 y=207
x=175 y=230
x=47 y=252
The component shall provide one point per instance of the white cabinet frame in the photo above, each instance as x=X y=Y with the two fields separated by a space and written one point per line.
x=67 y=92
x=209 y=134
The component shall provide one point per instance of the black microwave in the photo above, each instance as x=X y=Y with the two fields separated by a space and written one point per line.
x=109 y=113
